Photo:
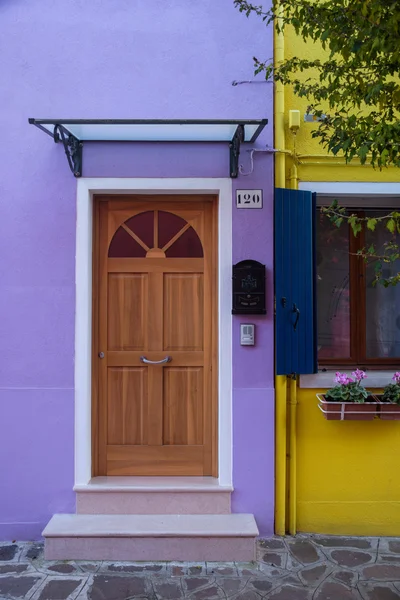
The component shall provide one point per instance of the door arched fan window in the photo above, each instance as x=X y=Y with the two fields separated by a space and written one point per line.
x=155 y=234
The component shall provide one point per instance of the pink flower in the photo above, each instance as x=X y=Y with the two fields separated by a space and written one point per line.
x=343 y=379
x=339 y=377
x=396 y=377
x=359 y=375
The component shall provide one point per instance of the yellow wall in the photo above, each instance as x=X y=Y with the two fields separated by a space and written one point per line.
x=348 y=473
x=313 y=162
x=344 y=476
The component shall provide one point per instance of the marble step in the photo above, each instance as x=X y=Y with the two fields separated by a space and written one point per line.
x=153 y=495
x=226 y=537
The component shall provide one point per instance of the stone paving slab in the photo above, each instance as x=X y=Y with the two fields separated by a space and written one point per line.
x=305 y=567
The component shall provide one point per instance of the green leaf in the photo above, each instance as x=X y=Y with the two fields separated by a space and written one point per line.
x=391 y=225
x=338 y=221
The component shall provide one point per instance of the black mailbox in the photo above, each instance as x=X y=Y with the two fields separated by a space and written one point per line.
x=248 y=288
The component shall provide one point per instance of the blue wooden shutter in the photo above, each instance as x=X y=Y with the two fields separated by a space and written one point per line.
x=295 y=282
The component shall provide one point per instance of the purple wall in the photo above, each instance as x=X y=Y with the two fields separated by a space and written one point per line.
x=164 y=59
x=253 y=373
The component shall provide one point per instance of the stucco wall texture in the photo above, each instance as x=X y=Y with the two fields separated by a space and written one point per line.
x=127 y=59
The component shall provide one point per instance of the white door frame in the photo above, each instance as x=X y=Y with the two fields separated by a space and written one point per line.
x=86 y=189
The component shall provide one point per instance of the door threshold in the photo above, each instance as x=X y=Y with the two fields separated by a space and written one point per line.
x=152 y=484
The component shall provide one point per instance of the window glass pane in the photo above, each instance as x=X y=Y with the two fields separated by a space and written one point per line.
x=188 y=245
x=168 y=226
x=333 y=296
x=143 y=225
x=124 y=246
x=382 y=304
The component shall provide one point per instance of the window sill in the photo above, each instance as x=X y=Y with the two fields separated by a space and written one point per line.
x=325 y=380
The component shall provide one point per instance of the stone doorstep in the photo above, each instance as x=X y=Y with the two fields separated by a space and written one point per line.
x=153 y=495
x=226 y=537
x=232 y=525
x=151 y=503
x=150 y=549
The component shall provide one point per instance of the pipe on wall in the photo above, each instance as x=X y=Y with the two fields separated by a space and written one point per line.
x=280 y=380
x=292 y=402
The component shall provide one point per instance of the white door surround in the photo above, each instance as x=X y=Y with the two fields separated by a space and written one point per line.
x=86 y=189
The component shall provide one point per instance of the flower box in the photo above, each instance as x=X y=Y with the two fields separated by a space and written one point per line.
x=348 y=400
x=348 y=411
x=388 y=411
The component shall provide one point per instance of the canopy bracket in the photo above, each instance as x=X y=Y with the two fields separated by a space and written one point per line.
x=234 y=151
x=73 y=148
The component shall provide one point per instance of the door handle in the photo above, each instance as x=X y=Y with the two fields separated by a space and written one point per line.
x=297 y=313
x=144 y=360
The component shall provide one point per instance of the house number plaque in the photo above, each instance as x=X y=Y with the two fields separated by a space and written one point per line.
x=249 y=199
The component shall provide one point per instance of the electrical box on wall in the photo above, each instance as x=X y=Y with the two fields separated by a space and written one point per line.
x=248 y=288
x=247 y=334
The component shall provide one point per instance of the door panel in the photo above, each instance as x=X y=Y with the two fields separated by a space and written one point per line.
x=183 y=406
x=183 y=311
x=127 y=295
x=156 y=285
x=127 y=405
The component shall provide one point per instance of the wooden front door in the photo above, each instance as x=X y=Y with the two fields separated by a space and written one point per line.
x=155 y=346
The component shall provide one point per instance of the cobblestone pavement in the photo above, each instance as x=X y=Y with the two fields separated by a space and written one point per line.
x=307 y=567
